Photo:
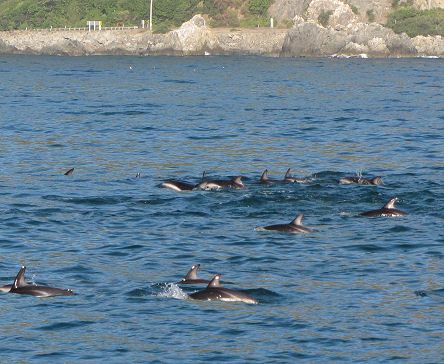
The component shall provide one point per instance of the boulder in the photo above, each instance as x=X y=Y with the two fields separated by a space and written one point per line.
x=312 y=40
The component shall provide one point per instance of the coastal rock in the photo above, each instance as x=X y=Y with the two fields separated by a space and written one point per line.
x=341 y=16
x=288 y=9
x=431 y=46
x=193 y=37
x=312 y=40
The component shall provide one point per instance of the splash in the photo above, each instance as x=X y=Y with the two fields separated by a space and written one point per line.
x=172 y=290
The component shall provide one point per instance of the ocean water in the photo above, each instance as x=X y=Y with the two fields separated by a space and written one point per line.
x=357 y=290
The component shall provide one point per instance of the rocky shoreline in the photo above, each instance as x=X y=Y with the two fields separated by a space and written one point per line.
x=345 y=38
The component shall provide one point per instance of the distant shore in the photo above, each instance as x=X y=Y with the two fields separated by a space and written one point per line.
x=195 y=38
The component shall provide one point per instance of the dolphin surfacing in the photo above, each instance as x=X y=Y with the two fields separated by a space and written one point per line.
x=20 y=286
x=179 y=185
x=234 y=183
x=388 y=210
x=293 y=227
x=214 y=292
x=362 y=181
x=191 y=277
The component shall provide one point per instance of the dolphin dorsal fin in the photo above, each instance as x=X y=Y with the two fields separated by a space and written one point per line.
x=288 y=175
x=192 y=273
x=376 y=180
x=19 y=281
x=204 y=174
x=215 y=282
x=391 y=203
x=298 y=220
x=238 y=180
x=264 y=176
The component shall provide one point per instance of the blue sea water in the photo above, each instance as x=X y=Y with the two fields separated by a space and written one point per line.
x=357 y=290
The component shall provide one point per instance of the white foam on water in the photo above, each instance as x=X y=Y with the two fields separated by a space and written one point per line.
x=172 y=290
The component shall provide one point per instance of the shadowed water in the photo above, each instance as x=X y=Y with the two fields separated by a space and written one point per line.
x=358 y=289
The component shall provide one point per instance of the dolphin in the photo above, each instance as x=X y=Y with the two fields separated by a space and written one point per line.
x=388 y=210
x=290 y=178
x=265 y=180
x=359 y=180
x=214 y=292
x=235 y=182
x=191 y=277
x=293 y=227
x=70 y=172
x=21 y=287
x=179 y=185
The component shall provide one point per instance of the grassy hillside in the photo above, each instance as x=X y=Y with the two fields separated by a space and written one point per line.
x=21 y=14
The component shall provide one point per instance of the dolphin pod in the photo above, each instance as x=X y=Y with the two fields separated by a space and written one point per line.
x=213 y=291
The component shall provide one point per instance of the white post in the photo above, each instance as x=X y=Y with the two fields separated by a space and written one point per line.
x=151 y=15
x=271 y=23
x=429 y=3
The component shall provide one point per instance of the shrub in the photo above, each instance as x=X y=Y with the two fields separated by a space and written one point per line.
x=370 y=15
x=324 y=17
x=417 y=22
x=258 y=7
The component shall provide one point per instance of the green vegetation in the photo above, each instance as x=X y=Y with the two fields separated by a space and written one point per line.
x=324 y=17
x=354 y=9
x=370 y=15
x=398 y=3
x=417 y=22
x=167 y=14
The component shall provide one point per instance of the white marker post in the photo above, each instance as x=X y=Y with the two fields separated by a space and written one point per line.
x=151 y=15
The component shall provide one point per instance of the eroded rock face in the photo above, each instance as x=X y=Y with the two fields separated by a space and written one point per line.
x=429 y=46
x=288 y=9
x=193 y=37
x=342 y=14
x=311 y=40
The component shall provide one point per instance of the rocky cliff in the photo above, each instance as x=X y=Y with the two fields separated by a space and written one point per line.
x=345 y=35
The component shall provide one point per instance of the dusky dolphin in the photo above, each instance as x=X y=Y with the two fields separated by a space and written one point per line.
x=21 y=287
x=214 y=292
x=191 y=277
x=179 y=185
x=289 y=178
x=69 y=172
x=265 y=180
x=359 y=180
x=388 y=210
x=235 y=183
x=293 y=227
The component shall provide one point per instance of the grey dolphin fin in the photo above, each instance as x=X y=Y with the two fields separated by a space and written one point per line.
x=204 y=174
x=238 y=180
x=288 y=175
x=19 y=280
x=297 y=220
x=264 y=176
x=391 y=203
x=192 y=273
x=70 y=172
x=215 y=282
